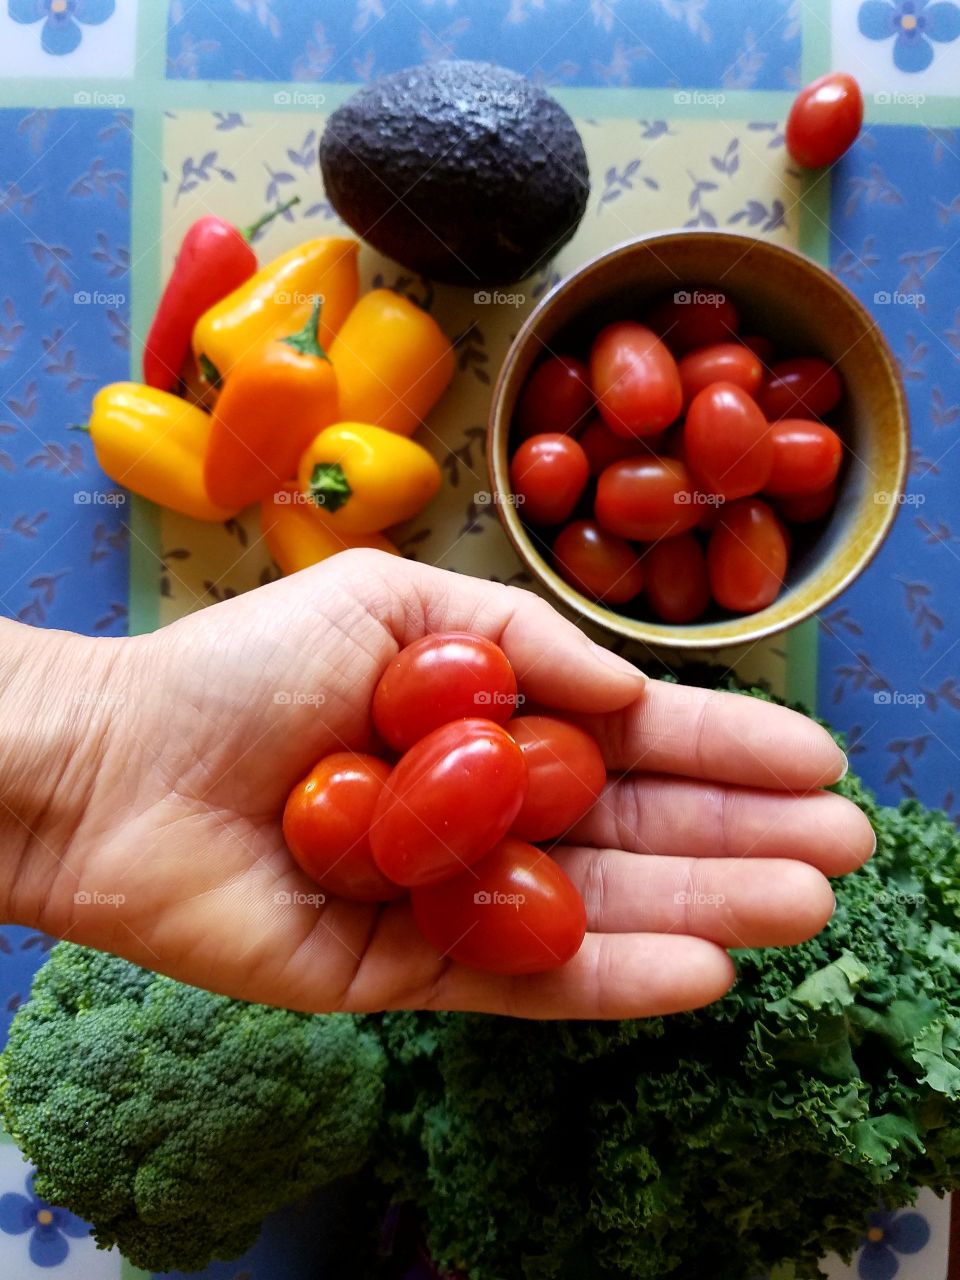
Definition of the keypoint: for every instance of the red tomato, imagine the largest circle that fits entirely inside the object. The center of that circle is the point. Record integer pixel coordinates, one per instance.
(761, 346)
(727, 441)
(515, 911)
(645, 499)
(635, 380)
(747, 557)
(566, 774)
(598, 564)
(450, 799)
(441, 678)
(805, 387)
(824, 120)
(676, 578)
(556, 397)
(806, 457)
(602, 447)
(326, 826)
(723, 362)
(697, 316)
(549, 473)
(807, 507)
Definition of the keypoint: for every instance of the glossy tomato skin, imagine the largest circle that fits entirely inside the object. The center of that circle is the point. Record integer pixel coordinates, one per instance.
(326, 826)
(452, 796)
(644, 499)
(824, 120)
(566, 773)
(808, 507)
(676, 578)
(515, 911)
(804, 387)
(697, 316)
(549, 472)
(635, 380)
(806, 457)
(600, 565)
(602, 447)
(440, 678)
(747, 557)
(556, 397)
(723, 362)
(727, 442)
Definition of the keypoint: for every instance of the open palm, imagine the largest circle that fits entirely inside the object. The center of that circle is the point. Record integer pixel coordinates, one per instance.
(714, 834)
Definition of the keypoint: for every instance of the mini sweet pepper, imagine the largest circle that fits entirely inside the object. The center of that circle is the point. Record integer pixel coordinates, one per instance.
(297, 535)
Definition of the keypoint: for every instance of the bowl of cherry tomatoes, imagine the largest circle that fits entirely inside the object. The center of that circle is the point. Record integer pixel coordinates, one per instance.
(698, 439)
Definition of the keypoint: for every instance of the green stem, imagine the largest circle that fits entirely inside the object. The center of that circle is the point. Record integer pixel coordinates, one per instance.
(79, 426)
(305, 341)
(249, 232)
(209, 371)
(329, 486)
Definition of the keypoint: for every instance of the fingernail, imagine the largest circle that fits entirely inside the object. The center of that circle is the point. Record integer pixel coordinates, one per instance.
(613, 660)
(846, 767)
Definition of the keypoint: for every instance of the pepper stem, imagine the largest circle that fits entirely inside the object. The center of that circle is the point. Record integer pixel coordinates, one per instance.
(249, 232)
(209, 371)
(305, 341)
(79, 426)
(329, 486)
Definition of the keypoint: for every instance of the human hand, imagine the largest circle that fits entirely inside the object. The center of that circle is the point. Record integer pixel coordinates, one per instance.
(165, 845)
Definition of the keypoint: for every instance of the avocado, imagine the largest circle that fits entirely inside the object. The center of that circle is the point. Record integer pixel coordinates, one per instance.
(463, 171)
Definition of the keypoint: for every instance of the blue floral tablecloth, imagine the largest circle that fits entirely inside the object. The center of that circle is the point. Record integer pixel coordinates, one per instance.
(120, 120)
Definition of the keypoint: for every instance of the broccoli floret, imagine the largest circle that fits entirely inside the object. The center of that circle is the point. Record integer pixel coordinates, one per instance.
(174, 1120)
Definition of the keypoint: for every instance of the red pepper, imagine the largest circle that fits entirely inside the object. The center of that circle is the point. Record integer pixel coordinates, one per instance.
(214, 259)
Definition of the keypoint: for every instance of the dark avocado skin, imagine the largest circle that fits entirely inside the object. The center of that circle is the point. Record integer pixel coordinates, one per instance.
(463, 171)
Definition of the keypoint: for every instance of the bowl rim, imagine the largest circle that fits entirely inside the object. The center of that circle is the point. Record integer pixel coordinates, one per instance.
(662, 635)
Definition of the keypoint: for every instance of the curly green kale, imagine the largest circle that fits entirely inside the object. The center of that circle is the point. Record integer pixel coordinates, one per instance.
(175, 1120)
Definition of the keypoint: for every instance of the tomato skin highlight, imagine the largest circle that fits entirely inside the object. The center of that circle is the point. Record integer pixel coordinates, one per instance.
(804, 387)
(602, 447)
(723, 362)
(678, 590)
(471, 919)
(555, 398)
(824, 120)
(598, 564)
(549, 472)
(686, 325)
(747, 557)
(448, 676)
(448, 801)
(566, 773)
(326, 825)
(635, 380)
(806, 458)
(645, 499)
(808, 507)
(727, 442)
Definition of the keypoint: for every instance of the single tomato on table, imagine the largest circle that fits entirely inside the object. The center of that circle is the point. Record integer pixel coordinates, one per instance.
(565, 773)
(549, 473)
(635, 380)
(726, 441)
(645, 499)
(675, 573)
(747, 557)
(556, 397)
(824, 120)
(806, 457)
(600, 565)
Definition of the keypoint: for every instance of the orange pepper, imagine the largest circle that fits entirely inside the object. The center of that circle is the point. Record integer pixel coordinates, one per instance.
(273, 403)
(297, 535)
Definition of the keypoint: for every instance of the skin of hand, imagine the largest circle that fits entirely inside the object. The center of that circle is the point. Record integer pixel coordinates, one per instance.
(142, 783)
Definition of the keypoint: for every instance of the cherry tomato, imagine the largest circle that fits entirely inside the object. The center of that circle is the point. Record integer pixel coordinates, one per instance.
(727, 441)
(645, 499)
(676, 578)
(805, 387)
(761, 346)
(723, 362)
(635, 380)
(598, 564)
(747, 557)
(515, 911)
(694, 317)
(326, 826)
(566, 773)
(556, 397)
(450, 799)
(807, 507)
(806, 457)
(602, 447)
(824, 120)
(549, 472)
(441, 678)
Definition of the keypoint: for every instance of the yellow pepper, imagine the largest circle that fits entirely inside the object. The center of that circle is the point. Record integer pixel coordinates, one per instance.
(277, 301)
(364, 478)
(153, 442)
(297, 536)
(392, 360)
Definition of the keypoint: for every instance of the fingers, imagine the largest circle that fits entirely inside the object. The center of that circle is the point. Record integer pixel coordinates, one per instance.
(762, 903)
(722, 736)
(681, 818)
